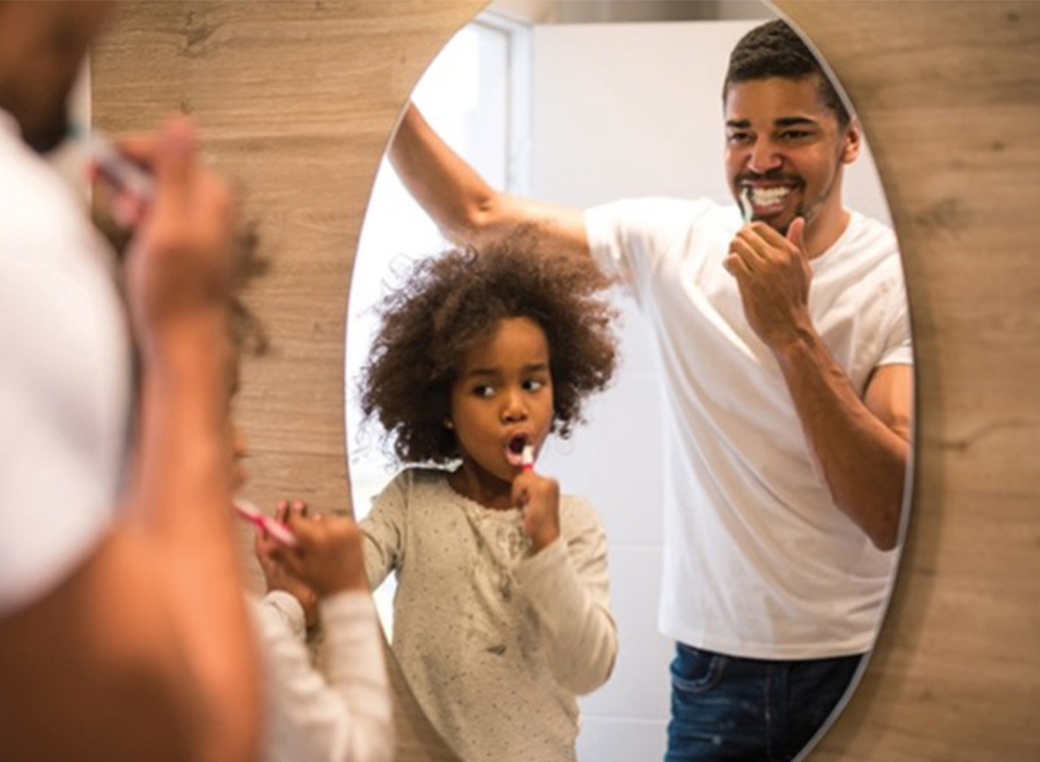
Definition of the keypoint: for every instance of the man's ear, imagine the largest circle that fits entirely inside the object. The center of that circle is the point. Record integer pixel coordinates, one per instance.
(851, 141)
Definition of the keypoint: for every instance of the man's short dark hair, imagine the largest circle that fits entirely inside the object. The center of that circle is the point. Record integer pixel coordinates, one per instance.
(774, 49)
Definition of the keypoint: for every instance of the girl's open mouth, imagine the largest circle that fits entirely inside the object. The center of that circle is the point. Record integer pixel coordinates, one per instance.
(515, 449)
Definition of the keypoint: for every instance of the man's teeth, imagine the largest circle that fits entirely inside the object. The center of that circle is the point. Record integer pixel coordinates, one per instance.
(766, 196)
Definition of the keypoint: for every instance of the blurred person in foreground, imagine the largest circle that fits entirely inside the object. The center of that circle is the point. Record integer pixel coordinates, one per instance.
(123, 633)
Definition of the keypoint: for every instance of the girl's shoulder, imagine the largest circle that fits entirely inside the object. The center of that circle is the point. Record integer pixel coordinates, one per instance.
(414, 483)
(420, 475)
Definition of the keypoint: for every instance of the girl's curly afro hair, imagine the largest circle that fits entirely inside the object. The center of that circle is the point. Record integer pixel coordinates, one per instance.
(454, 302)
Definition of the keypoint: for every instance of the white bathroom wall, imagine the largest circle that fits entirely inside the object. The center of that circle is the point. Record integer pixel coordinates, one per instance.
(624, 110)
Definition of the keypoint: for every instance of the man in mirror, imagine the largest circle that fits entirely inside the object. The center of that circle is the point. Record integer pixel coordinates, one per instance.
(123, 629)
(783, 337)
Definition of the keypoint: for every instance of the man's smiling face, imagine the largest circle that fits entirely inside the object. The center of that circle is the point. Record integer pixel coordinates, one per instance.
(786, 149)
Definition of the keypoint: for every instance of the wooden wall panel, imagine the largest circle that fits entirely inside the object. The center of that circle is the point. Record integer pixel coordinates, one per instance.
(949, 94)
(297, 100)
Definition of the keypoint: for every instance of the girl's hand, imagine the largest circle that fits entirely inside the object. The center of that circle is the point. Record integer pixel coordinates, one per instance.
(539, 499)
(276, 575)
(329, 555)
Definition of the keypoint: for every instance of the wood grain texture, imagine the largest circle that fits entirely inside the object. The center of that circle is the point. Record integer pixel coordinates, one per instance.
(297, 100)
(949, 94)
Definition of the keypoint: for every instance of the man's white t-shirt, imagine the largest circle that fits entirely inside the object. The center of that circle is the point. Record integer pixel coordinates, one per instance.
(64, 378)
(758, 561)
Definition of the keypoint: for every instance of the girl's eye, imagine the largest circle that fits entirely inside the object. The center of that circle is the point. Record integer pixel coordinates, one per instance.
(483, 390)
(534, 384)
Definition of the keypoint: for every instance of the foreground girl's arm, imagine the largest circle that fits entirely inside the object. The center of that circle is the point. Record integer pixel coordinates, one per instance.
(343, 715)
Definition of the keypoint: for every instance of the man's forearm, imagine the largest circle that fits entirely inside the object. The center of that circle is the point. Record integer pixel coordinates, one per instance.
(182, 501)
(863, 460)
(467, 210)
(447, 188)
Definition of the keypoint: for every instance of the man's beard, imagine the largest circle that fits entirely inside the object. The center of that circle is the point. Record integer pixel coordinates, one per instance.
(800, 211)
(50, 134)
(796, 181)
(45, 141)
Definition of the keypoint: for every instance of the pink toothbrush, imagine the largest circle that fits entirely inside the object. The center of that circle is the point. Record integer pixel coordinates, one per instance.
(278, 531)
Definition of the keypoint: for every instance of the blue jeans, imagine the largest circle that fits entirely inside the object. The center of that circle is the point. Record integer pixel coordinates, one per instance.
(729, 709)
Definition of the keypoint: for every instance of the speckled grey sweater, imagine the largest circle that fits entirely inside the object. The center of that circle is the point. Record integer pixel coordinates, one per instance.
(495, 642)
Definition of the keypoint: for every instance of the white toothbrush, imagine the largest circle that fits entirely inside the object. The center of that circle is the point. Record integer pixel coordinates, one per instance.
(745, 205)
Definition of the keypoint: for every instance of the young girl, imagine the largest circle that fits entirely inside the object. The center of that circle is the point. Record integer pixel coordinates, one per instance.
(343, 712)
(501, 614)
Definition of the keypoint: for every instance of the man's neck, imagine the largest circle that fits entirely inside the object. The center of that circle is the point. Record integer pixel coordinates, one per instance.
(825, 231)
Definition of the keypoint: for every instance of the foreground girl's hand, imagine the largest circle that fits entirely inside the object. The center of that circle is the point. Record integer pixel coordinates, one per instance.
(328, 556)
(276, 575)
(539, 499)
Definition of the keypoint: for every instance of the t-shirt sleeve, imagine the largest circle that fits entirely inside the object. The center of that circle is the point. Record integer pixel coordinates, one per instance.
(59, 424)
(898, 346)
(630, 239)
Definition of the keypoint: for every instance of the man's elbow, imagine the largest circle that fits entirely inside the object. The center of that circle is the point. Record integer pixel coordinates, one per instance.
(884, 534)
(885, 542)
(475, 225)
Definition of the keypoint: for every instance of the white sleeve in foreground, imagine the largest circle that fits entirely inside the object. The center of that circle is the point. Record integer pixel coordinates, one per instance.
(341, 716)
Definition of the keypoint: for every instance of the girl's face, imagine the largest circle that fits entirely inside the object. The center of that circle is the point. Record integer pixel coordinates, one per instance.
(502, 399)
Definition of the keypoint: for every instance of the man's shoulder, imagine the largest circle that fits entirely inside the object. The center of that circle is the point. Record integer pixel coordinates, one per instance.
(660, 208)
(39, 214)
(660, 222)
(867, 234)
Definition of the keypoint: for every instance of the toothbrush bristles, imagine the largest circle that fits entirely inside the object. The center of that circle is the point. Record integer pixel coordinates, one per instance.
(745, 205)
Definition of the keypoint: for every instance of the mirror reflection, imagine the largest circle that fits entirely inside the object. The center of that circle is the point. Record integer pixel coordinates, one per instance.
(748, 461)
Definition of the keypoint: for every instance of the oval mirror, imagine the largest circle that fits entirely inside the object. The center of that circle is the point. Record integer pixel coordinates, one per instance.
(547, 101)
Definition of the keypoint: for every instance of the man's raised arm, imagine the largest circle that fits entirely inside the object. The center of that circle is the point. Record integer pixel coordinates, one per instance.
(141, 649)
(466, 209)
